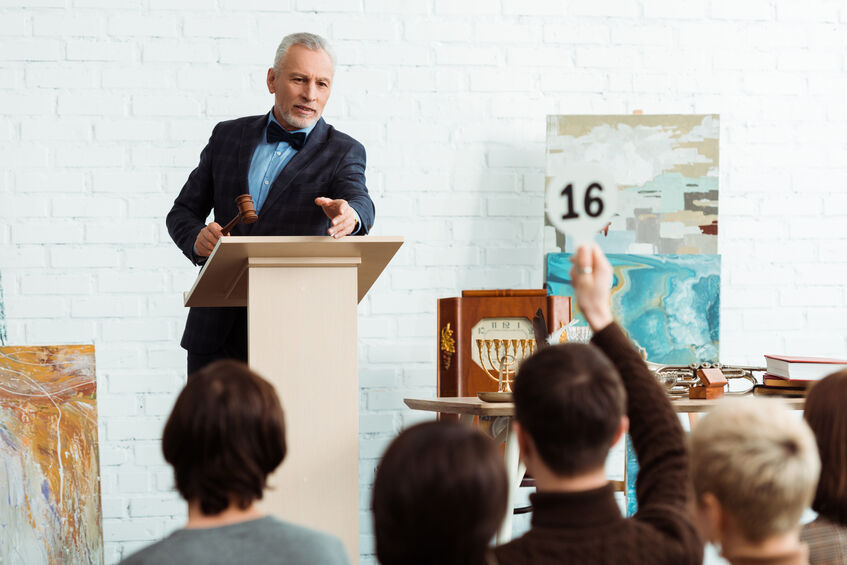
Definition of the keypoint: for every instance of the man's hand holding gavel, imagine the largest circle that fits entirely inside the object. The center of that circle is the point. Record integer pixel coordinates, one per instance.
(207, 239)
(209, 236)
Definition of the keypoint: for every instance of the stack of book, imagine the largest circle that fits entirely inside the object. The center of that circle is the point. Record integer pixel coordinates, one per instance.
(792, 376)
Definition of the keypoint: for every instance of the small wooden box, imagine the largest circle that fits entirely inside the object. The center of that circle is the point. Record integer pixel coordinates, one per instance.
(700, 392)
(711, 377)
(712, 382)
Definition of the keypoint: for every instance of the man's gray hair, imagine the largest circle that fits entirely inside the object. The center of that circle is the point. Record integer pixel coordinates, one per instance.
(311, 41)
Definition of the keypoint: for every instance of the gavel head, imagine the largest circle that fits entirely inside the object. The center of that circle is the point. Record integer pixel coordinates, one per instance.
(246, 208)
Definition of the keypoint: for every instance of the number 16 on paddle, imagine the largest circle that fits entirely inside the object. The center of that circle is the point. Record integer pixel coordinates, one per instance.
(581, 201)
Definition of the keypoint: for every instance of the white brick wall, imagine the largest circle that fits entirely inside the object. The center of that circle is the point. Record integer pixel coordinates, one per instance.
(105, 106)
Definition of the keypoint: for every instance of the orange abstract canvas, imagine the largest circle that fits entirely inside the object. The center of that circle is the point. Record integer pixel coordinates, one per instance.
(49, 459)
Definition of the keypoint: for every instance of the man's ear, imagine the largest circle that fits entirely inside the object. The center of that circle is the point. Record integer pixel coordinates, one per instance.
(711, 518)
(525, 443)
(623, 428)
(271, 78)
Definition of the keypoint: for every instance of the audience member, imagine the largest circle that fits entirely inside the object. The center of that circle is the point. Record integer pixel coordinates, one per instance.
(225, 435)
(754, 470)
(571, 406)
(439, 496)
(826, 415)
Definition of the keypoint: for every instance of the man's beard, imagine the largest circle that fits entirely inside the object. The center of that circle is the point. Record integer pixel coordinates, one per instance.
(298, 122)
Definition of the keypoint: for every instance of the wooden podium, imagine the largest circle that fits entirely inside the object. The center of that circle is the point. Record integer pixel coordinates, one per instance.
(301, 294)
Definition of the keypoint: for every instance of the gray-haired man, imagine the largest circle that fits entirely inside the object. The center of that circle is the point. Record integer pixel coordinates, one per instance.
(305, 177)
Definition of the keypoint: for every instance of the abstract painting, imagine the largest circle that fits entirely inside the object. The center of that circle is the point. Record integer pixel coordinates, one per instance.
(668, 304)
(49, 460)
(2, 316)
(632, 468)
(666, 169)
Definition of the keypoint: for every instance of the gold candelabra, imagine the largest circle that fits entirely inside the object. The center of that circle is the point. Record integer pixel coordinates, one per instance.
(502, 356)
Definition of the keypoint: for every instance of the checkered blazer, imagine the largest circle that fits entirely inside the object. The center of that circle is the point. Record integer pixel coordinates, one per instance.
(827, 542)
(330, 164)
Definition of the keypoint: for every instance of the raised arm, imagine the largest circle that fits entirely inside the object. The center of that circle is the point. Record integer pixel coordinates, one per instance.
(658, 438)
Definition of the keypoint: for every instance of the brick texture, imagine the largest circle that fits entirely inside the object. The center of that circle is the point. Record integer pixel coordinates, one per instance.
(104, 108)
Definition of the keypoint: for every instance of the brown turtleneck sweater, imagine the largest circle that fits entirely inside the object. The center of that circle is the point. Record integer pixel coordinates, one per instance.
(587, 528)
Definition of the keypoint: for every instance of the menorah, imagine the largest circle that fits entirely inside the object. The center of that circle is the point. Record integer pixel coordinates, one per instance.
(502, 356)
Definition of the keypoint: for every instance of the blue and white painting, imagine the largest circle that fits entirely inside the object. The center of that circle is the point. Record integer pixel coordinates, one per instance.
(668, 304)
(632, 468)
(666, 168)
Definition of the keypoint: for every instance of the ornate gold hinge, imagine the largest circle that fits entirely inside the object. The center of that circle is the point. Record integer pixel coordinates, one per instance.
(448, 346)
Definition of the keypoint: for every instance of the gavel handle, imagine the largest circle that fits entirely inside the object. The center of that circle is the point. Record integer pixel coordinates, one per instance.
(228, 228)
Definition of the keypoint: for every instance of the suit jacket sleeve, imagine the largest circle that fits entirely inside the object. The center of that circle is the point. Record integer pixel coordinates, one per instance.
(193, 205)
(348, 182)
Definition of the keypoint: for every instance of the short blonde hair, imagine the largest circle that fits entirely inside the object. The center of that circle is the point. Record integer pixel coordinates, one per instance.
(759, 460)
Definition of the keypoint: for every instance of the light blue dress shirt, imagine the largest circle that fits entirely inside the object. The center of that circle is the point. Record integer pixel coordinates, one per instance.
(268, 161)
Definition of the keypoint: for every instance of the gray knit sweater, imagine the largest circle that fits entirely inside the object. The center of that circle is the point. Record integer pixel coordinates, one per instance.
(264, 540)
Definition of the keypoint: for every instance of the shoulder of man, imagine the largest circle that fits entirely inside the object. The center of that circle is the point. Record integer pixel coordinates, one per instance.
(308, 545)
(236, 123)
(153, 553)
(514, 552)
(341, 139)
(825, 538)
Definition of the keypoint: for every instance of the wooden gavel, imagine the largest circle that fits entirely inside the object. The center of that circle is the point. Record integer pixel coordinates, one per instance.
(246, 213)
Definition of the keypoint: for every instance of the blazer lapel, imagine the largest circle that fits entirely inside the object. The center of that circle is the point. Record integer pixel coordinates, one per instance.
(250, 136)
(313, 145)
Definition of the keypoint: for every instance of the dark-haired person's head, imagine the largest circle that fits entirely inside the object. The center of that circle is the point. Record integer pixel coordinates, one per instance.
(826, 414)
(439, 496)
(225, 435)
(570, 408)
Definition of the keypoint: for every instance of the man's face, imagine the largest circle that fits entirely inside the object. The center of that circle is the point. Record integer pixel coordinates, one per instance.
(300, 86)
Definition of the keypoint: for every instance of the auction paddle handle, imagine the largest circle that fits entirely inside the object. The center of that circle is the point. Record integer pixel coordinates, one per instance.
(246, 213)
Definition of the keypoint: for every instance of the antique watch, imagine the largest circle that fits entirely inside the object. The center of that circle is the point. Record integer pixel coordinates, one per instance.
(484, 335)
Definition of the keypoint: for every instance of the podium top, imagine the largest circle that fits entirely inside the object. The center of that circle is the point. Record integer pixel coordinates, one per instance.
(223, 279)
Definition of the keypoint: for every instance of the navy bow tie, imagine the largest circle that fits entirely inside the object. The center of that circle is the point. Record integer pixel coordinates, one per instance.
(277, 134)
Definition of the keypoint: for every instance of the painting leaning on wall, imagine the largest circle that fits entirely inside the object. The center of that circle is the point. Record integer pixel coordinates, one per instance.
(49, 456)
(2, 314)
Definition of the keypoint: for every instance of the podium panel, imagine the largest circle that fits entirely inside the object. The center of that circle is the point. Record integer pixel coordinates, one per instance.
(296, 315)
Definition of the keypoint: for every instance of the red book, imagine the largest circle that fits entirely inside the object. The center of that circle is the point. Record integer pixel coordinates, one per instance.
(803, 368)
(782, 382)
